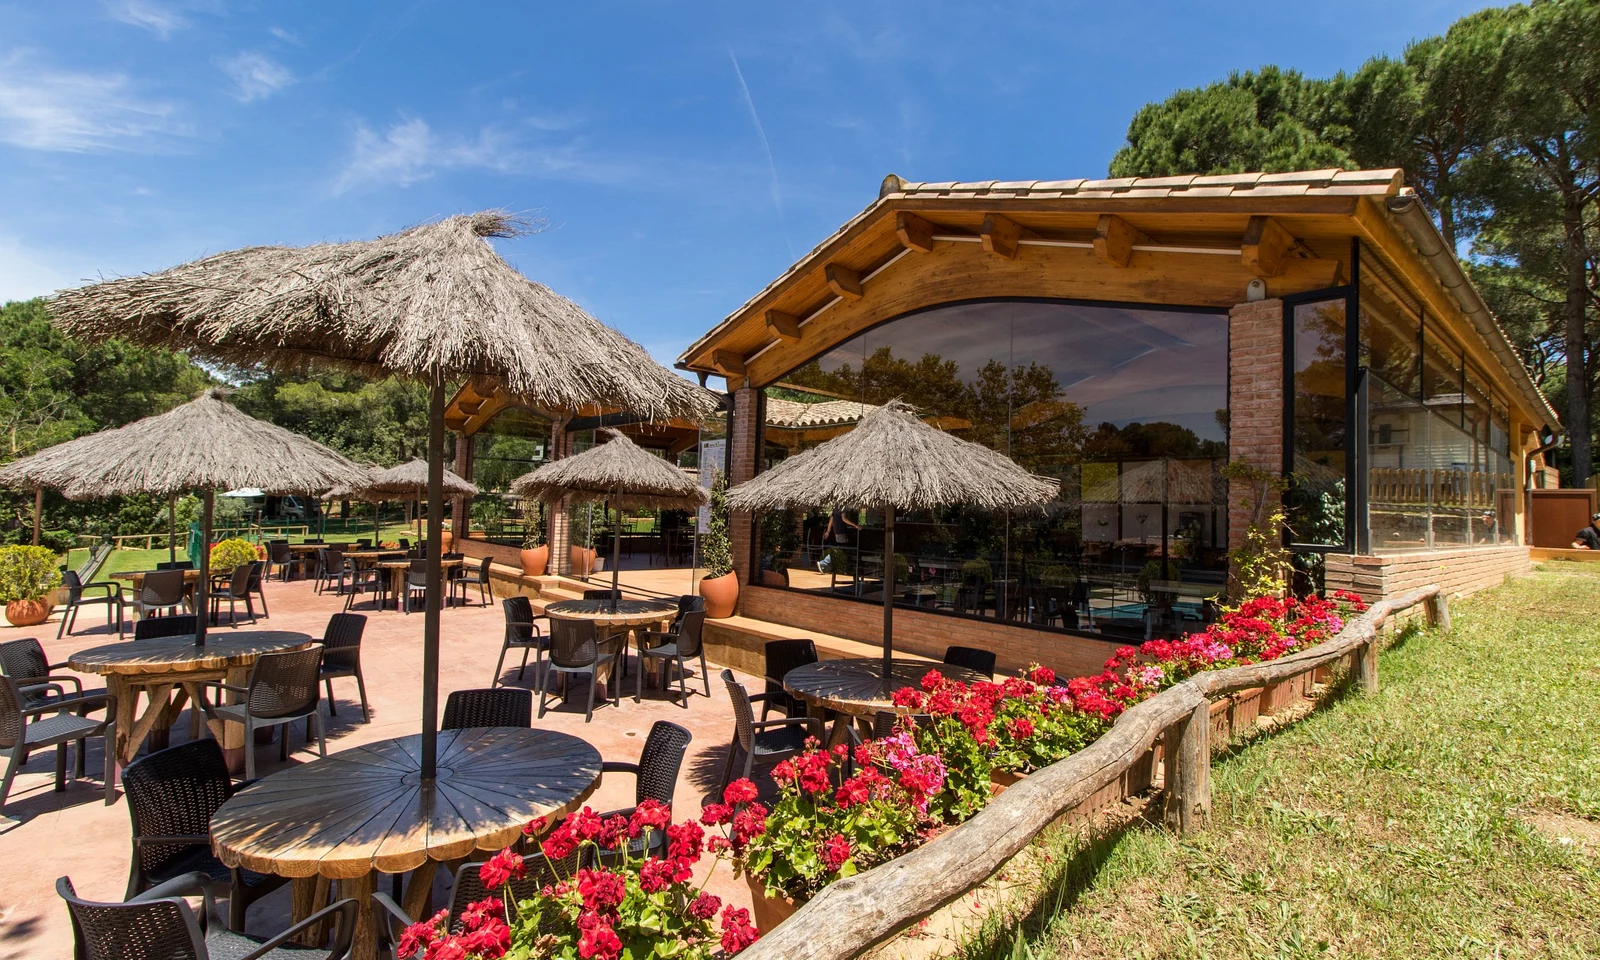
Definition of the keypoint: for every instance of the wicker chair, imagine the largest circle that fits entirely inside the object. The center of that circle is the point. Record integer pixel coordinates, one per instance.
(476, 578)
(522, 633)
(783, 656)
(282, 560)
(416, 583)
(540, 873)
(655, 778)
(161, 590)
(972, 658)
(330, 569)
(768, 741)
(341, 657)
(488, 707)
(172, 795)
(677, 648)
(238, 588)
(283, 687)
(160, 925)
(175, 565)
(256, 587)
(55, 723)
(37, 682)
(79, 595)
(575, 650)
(359, 579)
(156, 628)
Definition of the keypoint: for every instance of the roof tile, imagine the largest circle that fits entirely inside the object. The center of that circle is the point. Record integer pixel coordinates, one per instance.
(1112, 184)
(1274, 190)
(1225, 180)
(1298, 176)
(1182, 181)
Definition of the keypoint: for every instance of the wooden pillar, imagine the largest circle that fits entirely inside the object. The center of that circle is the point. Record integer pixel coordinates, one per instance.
(1438, 610)
(460, 520)
(1364, 667)
(1188, 773)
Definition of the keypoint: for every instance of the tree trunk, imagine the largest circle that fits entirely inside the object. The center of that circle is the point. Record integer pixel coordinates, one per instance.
(1576, 340)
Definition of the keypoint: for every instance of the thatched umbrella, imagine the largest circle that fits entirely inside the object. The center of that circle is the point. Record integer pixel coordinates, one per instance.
(894, 461)
(620, 473)
(205, 444)
(434, 303)
(409, 481)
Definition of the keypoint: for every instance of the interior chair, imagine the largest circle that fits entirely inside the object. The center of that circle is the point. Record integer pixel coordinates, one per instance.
(36, 677)
(55, 723)
(162, 590)
(172, 795)
(675, 648)
(159, 924)
(237, 588)
(655, 778)
(768, 741)
(392, 920)
(474, 578)
(79, 595)
(522, 633)
(488, 707)
(783, 656)
(283, 687)
(972, 658)
(341, 657)
(157, 628)
(575, 651)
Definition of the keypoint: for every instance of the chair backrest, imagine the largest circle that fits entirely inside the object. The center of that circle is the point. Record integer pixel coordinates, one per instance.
(164, 929)
(599, 594)
(156, 628)
(540, 873)
(173, 793)
(163, 588)
(519, 617)
(332, 560)
(258, 569)
(11, 705)
(573, 643)
(23, 659)
(364, 544)
(313, 540)
(175, 565)
(405, 543)
(280, 552)
(344, 630)
(744, 721)
(972, 658)
(286, 684)
(483, 569)
(73, 584)
(884, 722)
(786, 655)
(488, 707)
(687, 604)
(689, 633)
(239, 583)
(660, 761)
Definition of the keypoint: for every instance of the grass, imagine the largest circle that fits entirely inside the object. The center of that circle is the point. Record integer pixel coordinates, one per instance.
(124, 560)
(1425, 821)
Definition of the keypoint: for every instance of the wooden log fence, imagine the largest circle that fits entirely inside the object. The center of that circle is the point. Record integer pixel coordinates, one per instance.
(857, 913)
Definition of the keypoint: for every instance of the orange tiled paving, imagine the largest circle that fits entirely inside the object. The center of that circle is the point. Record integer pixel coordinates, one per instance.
(51, 834)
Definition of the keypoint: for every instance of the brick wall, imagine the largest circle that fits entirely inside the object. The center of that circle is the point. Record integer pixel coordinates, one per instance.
(742, 442)
(927, 634)
(1457, 572)
(557, 532)
(1255, 397)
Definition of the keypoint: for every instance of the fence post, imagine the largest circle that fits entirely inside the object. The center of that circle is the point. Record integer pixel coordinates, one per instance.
(1364, 666)
(1438, 610)
(1188, 773)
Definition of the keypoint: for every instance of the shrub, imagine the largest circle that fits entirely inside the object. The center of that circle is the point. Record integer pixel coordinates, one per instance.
(230, 553)
(716, 553)
(532, 529)
(28, 573)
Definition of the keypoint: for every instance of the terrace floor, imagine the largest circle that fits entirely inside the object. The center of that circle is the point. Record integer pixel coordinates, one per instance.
(45, 835)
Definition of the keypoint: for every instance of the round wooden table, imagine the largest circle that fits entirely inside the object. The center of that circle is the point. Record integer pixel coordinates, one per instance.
(855, 686)
(611, 624)
(366, 811)
(157, 667)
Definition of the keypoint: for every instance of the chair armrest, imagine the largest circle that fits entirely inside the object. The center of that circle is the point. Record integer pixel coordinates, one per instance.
(388, 916)
(197, 838)
(759, 697)
(195, 884)
(112, 589)
(812, 722)
(346, 909)
(618, 766)
(328, 650)
(91, 702)
(226, 686)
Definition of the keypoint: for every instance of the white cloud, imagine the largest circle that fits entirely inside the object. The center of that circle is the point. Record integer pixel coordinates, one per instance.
(43, 109)
(157, 18)
(26, 272)
(256, 76)
(409, 151)
(284, 35)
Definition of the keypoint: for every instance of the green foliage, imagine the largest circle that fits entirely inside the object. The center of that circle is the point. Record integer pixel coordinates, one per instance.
(1155, 571)
(28, 573)
(779, 540)
(375, 421)
(532, 528)
(1058, 575)
(231, 553)
(716, 552)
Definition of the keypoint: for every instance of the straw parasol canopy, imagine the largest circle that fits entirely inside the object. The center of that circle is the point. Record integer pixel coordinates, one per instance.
(892, 460)
(620, 473)
(410, 481)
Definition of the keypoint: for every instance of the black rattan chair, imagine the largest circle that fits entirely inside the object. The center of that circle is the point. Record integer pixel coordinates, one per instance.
(156, 628)
(175, 565)
(160, 925)
(575, 651)
(161, 590)
(341, 657)
(539, 873)
(655, 778)
(416, 583)
(55, 723)
(363, 579)
(282, 560)
(783, 656)
(256, 588)
(238, 588)
(678, 649)
(35, 676)
(172, 795)
(80, 594)
(972, 658)
(522, 633)
(488, 707)
(330, 569)
(283, 687)
(478, 578)
(768, 741)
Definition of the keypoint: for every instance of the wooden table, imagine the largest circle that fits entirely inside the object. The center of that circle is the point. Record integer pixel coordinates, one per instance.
(855, 686)
(365, 811)
(397, 576)
(159, 666)
(609, 624)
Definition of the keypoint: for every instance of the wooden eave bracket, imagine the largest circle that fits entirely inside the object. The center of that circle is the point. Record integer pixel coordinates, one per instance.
(915, 233)
(999, 235)
(783, 326)
(843, 281)
(1267, 246)
(1114, 239)
(731, 364)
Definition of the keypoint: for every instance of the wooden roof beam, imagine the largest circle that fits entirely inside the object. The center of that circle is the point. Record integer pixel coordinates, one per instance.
(1267, 245)
(915, 233)
(1000, 235)
(1114, 239)
(783, 326)
(844, 281)
(730, 363)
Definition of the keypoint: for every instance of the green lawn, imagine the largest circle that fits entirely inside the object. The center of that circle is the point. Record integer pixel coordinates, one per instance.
(1425, 821)
(121, 560)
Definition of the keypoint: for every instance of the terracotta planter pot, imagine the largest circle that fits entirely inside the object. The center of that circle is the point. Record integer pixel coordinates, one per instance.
(535, 560)
(766, 912)
(28, 613)
(581, 560)
(446, 541)
(721, 595)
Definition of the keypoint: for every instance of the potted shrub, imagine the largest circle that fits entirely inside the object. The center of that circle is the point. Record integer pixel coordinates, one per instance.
(720, 585)
(231, 553)
(29, 577)
(535, 552)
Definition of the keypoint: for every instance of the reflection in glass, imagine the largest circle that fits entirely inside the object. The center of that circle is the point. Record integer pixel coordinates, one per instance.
(1317, 488)
(1126, 406)
(515, 442)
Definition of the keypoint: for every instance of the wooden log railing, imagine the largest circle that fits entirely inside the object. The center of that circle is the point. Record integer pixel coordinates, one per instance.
(854, 914)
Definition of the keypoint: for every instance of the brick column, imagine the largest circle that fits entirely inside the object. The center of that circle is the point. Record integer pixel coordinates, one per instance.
(557, 534)
(742, 443)
(461, 523)
(1255, 398)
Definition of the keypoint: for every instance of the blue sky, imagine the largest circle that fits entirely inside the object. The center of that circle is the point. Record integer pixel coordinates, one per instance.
(682, 154)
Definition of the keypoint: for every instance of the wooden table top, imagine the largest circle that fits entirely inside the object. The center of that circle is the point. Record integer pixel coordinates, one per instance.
(855, 685)
(137, 576)
(629, 613)
(373, 554)
(366, 809)
(406, 564)
(307, 547)
(223, 649)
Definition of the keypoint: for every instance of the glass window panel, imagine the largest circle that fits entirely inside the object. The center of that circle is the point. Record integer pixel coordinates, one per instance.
(1389, 345)
(1317, 493)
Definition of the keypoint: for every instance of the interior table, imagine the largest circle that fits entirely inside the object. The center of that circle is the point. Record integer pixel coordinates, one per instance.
(397, 576)
(611, 624)
(367, 811)
(854, 686)
(158, 667)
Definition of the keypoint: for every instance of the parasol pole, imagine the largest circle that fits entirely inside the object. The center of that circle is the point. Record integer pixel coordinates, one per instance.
(888, 598)
(201, 601)
(430, 622)
(172, 527)
(616, 550)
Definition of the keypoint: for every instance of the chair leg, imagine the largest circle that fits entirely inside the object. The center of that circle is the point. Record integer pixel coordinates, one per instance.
(749, 763)
(13, 761)
(264, 611)
(65, 616)
(322, 735)
(544, 692)
(594, 681)
(638, 683)
(79, 755)
(283, 741)
(250, 748)
(332, 710)
(683, 686)
(361, 688)
(523, 669)
(500, 664)
(705, 673)
(108, 743)
(61, 767)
